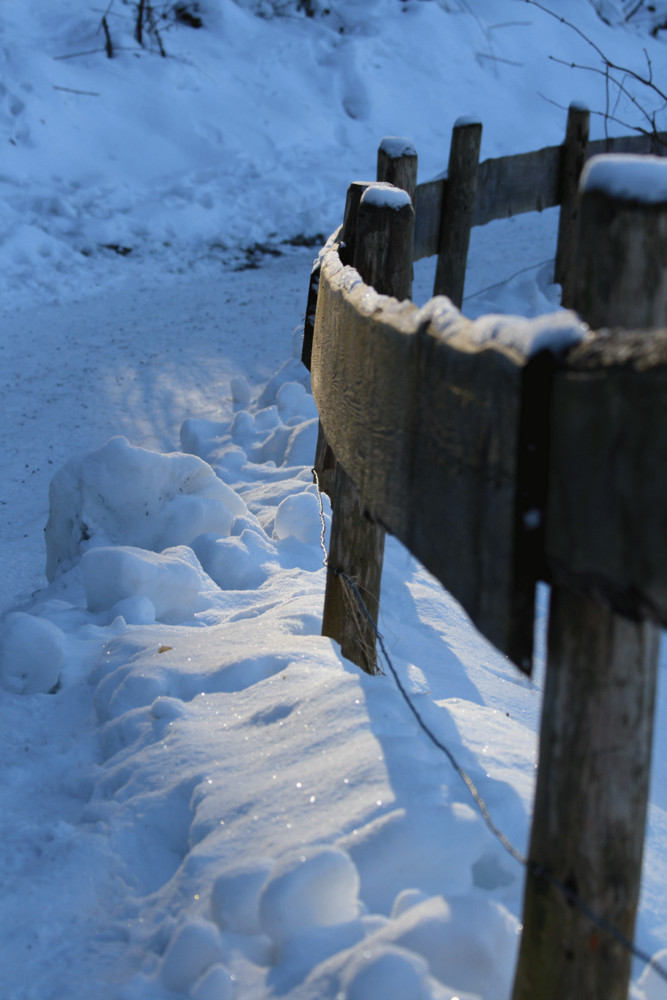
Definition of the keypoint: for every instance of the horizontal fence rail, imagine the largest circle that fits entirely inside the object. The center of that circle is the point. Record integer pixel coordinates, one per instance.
(385, 376)
(439, 419)
(514, 185)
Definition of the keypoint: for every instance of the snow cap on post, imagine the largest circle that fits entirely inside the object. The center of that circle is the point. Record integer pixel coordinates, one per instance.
(397, 163)
(384, 240)
(628, 177)
(464, 121)
(396, 147)
(385, 196)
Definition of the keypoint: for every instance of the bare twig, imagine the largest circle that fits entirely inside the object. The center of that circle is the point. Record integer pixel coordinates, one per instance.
(77, 55)
(506, 281)
(108, 44)
(608, 79)
(638, 6)
(611, 66)
(70, 90)
(495, 58)
(651, 133)
(153, 28)
(139, 24)
(104, 15)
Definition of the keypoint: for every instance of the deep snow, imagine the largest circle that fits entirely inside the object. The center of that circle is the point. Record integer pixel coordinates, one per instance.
(213, 803)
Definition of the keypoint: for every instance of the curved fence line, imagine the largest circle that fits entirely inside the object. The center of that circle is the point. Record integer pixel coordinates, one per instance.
(504, 451)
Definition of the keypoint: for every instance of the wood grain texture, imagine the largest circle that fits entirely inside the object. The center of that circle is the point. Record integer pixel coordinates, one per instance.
(401, 171)
(606, 531)
(606, 525)
(588, 827)
(513, 185)
(620, 274)
(381, 234)
(356, 549)
(608, 429)
(573, 157)
(458, 205)
(639, 143)
(348, 234)
(311, 302)
(428, 210)
(424, 411)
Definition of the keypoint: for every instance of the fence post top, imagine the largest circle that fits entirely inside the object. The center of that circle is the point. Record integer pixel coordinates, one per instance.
(627, 177)
(396, 147)
(468, 121)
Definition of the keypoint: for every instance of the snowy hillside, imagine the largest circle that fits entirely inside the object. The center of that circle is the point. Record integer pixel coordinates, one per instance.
(201, 798)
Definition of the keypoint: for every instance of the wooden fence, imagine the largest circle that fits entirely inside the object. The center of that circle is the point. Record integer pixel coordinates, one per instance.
(499, 463)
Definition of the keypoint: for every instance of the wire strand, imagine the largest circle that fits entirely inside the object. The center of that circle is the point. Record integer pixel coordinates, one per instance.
(534, 868)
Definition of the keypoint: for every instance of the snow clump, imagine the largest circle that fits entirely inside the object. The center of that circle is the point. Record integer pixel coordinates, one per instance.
(170, 580)
(315, 888)
(123, 495)
(31, 654)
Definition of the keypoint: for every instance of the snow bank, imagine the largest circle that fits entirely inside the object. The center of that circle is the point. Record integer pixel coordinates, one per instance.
(247, 775)
(285, 826)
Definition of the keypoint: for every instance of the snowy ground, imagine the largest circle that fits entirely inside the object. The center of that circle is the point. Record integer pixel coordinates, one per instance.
(213, 803)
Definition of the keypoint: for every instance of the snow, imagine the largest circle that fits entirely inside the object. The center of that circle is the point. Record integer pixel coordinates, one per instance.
(555, 332)
(465, 120)
(201, 797)
(627, 177)
(396, 147)
(385, 196)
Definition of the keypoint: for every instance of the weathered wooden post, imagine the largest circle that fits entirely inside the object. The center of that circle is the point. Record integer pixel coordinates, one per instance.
(383, 256)
(595, 743)
(620, 263)
(397, 164)
(345, 237)
(573, 159)
(457, 210)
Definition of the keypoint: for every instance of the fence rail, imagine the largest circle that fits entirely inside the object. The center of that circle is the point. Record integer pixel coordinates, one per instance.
(504, 451)
(514, 185)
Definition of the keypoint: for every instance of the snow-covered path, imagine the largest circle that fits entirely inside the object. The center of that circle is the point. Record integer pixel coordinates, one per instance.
(200, 798)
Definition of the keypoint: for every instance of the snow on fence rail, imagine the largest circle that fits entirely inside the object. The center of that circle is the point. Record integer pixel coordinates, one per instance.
(505, 451)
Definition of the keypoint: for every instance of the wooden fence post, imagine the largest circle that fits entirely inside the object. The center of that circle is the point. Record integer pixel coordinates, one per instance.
(397, 164)
(620, 271)
(348, 234)
(383, 257)
(573, 159)
(597, 720)
(457, 210)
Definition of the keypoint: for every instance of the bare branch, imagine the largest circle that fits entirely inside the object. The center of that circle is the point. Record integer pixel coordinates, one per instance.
(76, 55)
(71, 90)
(651, 133)
(108, 43)
(608, 79)
(646, 81)
(638, 6)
